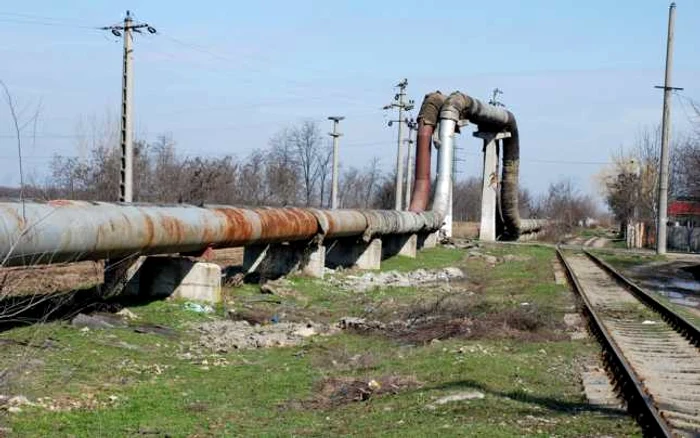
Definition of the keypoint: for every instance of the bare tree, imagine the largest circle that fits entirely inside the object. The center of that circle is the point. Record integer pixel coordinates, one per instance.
(283, 169)
(325, 165)
(307, 138)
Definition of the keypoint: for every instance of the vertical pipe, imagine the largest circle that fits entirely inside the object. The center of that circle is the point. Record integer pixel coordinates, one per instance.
(126, 187)
(665, 137)
(409, 168)
(441, 202)
(421, 189)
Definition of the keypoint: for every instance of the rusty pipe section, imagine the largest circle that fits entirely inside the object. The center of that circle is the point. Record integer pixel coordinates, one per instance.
(66, 231)
(341, 223)
(427, 120)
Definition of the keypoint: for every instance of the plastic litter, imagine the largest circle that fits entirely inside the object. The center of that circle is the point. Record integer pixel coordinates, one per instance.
(199, 308)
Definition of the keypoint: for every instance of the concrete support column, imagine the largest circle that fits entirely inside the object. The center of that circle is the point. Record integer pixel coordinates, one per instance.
(399, 244)
(276, 260)
(426, 240)
(489, 192)
(354, 253)
(169, 277)
(121, 276)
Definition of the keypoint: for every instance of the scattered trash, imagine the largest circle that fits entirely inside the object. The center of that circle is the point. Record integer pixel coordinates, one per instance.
(128, 314)
(371, 280)
(199, 308)
(374, 385)
(225, 336)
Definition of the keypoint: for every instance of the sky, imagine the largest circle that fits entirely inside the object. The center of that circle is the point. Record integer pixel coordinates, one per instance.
(223, 77)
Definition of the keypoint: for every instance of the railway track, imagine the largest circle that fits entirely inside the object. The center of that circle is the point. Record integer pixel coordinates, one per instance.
(652, 351)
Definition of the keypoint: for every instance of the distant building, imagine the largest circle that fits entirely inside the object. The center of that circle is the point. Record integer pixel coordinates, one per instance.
(684, 225)
(684, 212)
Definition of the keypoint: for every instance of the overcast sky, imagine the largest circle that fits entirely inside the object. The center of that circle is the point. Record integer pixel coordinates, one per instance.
(222, 77)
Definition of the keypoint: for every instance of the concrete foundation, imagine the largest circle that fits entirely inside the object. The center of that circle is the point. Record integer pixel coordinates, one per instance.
(426, 240)
(121, 277)
(276, 260)
(354, 253)
(173, 277)
(399, 244)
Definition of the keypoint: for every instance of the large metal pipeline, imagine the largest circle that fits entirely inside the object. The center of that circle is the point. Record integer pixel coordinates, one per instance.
(427, 120)
(64, 231)
(459, 106)
(67, 231)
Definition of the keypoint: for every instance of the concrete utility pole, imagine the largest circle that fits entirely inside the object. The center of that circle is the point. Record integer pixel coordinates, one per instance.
(126, 176)
(409, 163)
(494, 98)
(665, 137)
(407, 106)
(335, 134)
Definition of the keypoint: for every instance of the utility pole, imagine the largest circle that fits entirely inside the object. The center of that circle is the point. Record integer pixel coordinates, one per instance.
(665, 137)
(407, 106)
(494, 97)
(126, 176)
(411, 124)
(335, 134)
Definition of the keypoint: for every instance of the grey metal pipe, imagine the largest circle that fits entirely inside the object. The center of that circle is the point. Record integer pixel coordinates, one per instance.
(441, 200)
(66, 231)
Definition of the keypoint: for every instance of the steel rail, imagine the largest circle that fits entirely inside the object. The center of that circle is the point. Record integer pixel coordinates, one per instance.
(678, 322)
(631, 384)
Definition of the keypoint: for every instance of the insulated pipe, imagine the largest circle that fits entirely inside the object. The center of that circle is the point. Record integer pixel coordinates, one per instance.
(493, 118)
(427, 119)
(448, 122)
(67, 231)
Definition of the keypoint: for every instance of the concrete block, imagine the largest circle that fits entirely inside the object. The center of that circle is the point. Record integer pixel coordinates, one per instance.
(276, 260)
(180, 277)
(355, 253)
(121, 277)
(399, 244)
(426, 240)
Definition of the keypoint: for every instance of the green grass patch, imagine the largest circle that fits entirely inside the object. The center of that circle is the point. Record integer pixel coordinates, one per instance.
(124, 383)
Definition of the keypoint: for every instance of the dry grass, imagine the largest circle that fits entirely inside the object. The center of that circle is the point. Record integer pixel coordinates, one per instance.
(332, 392)
(50, 278)
(458, 315)
(465, 230)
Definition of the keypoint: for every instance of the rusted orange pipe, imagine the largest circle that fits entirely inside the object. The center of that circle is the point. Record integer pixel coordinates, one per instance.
(427, 119)
(421, 190)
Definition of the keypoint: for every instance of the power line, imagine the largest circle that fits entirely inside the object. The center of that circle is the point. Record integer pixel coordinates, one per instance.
(8, 17)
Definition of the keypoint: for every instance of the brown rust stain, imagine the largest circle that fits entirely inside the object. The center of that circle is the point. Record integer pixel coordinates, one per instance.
(238, 229)
(15, 214)
(61, 203)
(149, 230)
(285, 224)
(173, 227)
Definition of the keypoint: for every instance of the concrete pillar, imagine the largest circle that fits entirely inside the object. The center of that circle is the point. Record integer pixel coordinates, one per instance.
(399, 244)
(276, 260)
(121, 276)
(426, 240)
(489, 193)
(354, 253)
(174, 277)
